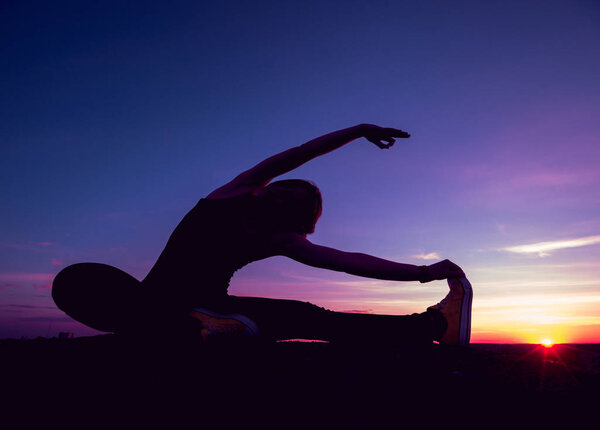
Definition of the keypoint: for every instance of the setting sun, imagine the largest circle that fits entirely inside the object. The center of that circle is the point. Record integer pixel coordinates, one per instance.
(547, 343)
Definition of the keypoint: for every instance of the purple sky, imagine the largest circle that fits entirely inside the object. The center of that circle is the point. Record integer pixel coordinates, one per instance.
(116, 118)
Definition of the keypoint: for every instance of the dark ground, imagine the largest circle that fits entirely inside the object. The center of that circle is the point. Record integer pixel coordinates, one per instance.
(105, 381)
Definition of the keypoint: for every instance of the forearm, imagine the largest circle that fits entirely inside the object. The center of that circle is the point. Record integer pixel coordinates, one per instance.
(354, 263)
(378, 268)
(331, 141)
(292, 158)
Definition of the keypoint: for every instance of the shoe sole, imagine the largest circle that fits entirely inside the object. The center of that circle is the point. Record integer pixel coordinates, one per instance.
(250, 327)
(464, 330)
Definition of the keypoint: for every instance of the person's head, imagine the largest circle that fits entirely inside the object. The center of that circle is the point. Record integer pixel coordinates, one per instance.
(291, 205)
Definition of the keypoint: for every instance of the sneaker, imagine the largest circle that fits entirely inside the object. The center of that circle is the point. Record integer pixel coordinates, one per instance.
(456, 308)
(216, 325)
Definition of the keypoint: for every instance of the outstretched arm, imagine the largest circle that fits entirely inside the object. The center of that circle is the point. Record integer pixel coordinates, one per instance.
(286, 161)
(302, 250)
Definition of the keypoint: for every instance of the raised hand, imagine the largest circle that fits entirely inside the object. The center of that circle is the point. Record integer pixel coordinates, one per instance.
(378, 135)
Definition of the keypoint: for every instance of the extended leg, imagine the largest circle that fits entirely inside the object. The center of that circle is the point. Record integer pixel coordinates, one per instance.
(291, 319)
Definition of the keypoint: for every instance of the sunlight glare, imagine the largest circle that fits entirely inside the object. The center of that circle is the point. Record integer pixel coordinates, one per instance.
(547, 343)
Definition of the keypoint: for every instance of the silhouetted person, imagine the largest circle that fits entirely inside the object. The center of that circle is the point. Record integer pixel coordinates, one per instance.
(249, 219)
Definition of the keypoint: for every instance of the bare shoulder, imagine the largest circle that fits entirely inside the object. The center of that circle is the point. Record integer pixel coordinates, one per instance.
(231, 190)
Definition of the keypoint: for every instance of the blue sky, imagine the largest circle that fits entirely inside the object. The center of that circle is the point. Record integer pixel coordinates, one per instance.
(116, 118)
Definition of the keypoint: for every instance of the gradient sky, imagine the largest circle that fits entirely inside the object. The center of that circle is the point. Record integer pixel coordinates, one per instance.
(116, 117)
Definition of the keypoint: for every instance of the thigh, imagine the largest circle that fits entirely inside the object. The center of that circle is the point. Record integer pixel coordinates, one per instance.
(291, 319)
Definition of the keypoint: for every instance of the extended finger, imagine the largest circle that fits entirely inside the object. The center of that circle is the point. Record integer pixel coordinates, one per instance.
(398, 133)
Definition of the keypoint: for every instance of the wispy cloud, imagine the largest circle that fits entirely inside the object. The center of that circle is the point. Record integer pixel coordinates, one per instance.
(516, 178)
(430, 256)
(22, 306)
(503, 184)
(27, 277)
(357, 311)
(542, 248)
(60, 318)
(39, 281)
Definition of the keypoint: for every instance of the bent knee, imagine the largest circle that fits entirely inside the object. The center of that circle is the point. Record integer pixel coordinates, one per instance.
(95, 294)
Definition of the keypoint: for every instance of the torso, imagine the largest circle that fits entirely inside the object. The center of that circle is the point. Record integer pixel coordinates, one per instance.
(212, 241)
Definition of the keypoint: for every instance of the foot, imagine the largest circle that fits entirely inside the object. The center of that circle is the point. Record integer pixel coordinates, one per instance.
(220, 326)
(456, 308)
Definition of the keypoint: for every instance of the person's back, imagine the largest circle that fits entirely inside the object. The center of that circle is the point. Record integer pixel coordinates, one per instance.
(215, 239)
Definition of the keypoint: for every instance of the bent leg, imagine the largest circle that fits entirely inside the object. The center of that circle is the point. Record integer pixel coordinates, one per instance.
(291, 319)
(97, 295)
(108, 299)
